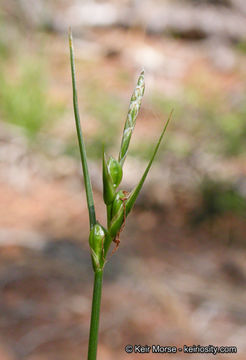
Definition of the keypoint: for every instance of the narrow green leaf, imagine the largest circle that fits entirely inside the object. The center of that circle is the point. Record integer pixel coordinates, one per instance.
(134, 107)
(133, 195)
(87, 181)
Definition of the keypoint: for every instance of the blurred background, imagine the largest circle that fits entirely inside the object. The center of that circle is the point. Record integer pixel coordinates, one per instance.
(179, 275)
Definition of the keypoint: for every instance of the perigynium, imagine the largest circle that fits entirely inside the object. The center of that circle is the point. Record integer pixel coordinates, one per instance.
(118, 202)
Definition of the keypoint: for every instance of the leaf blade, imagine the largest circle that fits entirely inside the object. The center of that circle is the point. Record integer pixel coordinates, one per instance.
(87, 181)
(133, 195)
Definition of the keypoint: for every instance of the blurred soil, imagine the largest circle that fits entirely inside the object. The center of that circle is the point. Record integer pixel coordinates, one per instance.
(164, 285)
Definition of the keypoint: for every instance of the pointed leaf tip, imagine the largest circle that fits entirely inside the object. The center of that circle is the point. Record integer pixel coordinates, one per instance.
(87, 181)
(134, 194)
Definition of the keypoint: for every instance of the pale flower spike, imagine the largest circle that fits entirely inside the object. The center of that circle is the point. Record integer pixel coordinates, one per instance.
(134, 107)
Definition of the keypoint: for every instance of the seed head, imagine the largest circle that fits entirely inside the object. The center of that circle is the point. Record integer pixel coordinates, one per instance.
(134, 107)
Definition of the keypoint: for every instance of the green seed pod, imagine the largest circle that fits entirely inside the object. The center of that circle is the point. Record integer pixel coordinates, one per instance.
(96, 242)
(116, 223)
(108, 186)
(118, 212)
(118, 202)
(115, 171)
(112, 175)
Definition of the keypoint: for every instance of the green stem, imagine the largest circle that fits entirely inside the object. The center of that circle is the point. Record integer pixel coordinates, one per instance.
(88, 188)
(95, 315)
(109, 209)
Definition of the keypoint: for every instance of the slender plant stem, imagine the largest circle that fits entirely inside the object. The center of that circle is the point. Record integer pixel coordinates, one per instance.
(109, 208)
(95, 315)
(88, 188)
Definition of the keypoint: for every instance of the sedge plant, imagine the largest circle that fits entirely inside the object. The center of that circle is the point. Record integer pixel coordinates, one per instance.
(118, 203)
